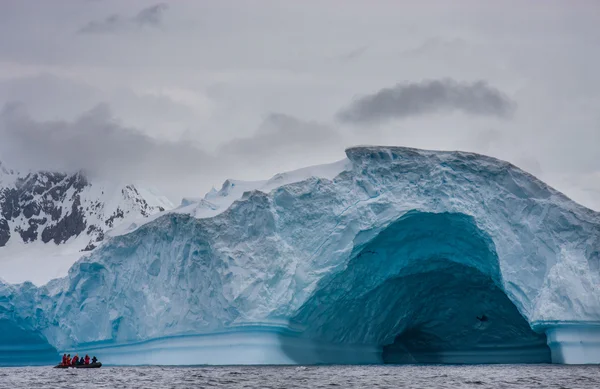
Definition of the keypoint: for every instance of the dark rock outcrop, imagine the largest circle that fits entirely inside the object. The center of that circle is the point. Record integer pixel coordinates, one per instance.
(4, 232)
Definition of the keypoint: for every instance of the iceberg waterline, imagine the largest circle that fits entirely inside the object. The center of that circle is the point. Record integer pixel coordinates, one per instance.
(405, 256)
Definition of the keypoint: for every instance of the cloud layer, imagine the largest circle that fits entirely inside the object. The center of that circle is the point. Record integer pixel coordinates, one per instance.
(96, 143)
(198, 82)
(431, 96)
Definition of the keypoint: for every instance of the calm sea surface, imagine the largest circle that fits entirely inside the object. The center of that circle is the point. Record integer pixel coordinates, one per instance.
(388, 376)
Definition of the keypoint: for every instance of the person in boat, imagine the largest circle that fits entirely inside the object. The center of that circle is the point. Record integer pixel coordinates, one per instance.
(75, 360)
(94, 360)
(64, 360)
(81, 361)
(68, 359)
(87, 359)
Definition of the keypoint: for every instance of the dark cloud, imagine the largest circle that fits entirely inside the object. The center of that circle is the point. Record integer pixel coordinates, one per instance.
(112, 23)
(151, 16)
(429, 96)
(354, 54)
(96, 143)
(282, 135)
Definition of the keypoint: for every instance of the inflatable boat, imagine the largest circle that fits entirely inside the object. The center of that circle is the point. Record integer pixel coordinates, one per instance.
(90, 366)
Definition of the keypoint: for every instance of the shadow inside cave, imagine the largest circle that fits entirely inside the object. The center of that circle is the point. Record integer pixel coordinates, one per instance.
(426, 289)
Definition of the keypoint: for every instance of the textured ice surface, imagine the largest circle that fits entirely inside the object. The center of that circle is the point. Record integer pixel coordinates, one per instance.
(404, 256)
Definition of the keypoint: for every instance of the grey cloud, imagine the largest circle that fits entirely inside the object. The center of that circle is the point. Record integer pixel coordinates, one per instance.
(112, 23)
(96, 143)
(151, 16)
(429, 96)
(282, 135)
(354, 54)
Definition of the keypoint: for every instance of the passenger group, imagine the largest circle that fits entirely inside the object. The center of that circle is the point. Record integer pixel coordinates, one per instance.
(75, 361)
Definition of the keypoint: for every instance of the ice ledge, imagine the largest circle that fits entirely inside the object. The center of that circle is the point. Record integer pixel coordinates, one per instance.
(373, 153)
(253, 346)
(572, 343)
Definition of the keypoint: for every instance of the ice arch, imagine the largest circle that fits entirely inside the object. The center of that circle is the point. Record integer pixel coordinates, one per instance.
(427, 289)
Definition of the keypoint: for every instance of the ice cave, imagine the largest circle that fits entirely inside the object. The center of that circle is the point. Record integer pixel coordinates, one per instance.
(427, 289)
(393, 255)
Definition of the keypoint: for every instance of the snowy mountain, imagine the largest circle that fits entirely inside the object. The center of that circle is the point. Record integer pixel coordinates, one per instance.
(391, 255)
(39, 210)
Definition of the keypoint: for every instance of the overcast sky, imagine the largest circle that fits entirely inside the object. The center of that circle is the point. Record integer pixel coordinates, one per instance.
(185, 94)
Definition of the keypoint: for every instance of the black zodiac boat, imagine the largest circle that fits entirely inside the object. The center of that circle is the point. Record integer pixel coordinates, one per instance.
(90, 366)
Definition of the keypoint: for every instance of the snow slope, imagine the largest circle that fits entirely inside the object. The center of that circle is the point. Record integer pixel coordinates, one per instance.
(401, 255)
(216, 202)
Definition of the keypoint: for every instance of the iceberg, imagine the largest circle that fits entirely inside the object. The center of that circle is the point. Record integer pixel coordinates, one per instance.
(393, 255)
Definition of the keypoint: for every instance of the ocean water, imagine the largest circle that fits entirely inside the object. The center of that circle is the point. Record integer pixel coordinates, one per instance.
(384, 376)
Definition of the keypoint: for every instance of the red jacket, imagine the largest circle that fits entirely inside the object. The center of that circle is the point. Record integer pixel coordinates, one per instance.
(64, 360)
(74, 361)
(87, 360)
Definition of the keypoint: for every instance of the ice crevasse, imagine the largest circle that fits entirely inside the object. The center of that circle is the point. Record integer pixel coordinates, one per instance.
(405, 256)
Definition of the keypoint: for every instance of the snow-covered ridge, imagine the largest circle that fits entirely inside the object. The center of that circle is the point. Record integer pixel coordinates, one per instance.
(216, 202)
(400, 255)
